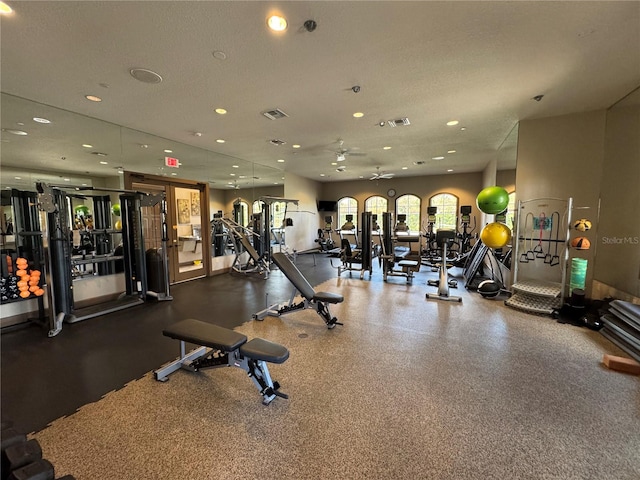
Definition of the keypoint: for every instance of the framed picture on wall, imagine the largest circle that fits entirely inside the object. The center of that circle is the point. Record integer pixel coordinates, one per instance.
(195, 203)
(184, 214)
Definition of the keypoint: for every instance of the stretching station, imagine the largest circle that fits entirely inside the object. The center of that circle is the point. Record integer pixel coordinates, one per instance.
(318, 301)
(222, 347)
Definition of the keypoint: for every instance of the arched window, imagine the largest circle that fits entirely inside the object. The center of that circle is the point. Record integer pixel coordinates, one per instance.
(347, 206)
(277, 214)
(257, 206)
(409, 205)
(376, 205)
(447, 205)
(511, 210)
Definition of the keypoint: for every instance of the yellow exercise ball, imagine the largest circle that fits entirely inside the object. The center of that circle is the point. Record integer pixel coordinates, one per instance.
(495, 235)
(118, 225)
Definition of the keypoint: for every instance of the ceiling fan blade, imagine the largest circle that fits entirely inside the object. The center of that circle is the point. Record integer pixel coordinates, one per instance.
(387, 175)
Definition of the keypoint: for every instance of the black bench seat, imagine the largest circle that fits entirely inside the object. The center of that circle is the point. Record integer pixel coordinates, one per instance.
(222, 347)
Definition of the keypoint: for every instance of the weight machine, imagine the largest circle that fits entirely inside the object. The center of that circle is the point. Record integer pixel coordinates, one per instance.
(393, 253)
(362, 254)
(61, 263)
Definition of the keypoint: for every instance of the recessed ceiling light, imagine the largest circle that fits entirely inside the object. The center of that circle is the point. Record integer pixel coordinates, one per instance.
(451, 151)
(277, 23)
(145, 75)
(15, 132)
(280, 160)
(450, 170)
(405, 168)
(386, 148)
(104, 163)
(334, 163)
(232, 174)
(84, 184)
(168, 151)
(437, 158)
(5, 9)
(296, 146)
(322, 174)
(275, 183)
(220, 140)
(41, 120)
(86, 145)
(93, 98)
(463, 128)
(451, 123)
(242, 176)
(221, 111)
(67, 179)
(235, 166)
(358, 115)
(18, 178)
(174, 173)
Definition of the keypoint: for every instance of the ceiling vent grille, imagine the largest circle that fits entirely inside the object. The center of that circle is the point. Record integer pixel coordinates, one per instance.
(399, 122)
(274, 114)
(277, 142)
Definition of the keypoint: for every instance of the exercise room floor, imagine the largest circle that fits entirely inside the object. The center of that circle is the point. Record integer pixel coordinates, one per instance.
(407, 388)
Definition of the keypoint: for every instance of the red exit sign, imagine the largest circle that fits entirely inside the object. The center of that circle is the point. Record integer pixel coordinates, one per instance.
(171, 162)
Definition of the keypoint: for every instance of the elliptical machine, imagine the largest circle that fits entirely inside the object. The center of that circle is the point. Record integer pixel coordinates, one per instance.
(444, 237)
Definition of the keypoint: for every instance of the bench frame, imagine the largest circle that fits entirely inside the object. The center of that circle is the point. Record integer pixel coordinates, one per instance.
(204, 357)
(309, 300)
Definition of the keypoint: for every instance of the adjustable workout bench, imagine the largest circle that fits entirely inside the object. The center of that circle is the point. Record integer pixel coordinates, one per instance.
(222, 347)
(311, 299)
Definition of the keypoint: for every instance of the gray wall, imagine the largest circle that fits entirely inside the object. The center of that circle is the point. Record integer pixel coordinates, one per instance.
(618, 231)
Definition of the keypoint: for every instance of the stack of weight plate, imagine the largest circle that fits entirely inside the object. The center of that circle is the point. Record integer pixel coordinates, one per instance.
(622, 326)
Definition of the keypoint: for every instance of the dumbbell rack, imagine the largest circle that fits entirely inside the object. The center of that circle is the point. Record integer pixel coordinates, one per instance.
(536, 288)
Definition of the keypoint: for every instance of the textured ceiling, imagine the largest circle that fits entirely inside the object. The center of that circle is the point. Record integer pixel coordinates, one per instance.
(477, 62)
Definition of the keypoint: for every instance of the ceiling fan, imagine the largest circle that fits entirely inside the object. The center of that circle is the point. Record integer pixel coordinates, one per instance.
(342, 153)
(381, 176)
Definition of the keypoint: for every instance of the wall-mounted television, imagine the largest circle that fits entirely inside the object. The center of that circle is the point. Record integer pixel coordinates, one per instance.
(326, 206)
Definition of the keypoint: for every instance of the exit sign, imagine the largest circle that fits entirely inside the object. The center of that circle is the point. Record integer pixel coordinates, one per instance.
(171, 162)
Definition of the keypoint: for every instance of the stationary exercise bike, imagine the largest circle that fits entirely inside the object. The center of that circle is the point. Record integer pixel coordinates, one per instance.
(444, 237)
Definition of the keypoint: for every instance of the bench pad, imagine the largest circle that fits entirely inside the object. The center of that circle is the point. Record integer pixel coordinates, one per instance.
(260, 349)
(205, 334)
(328, 297)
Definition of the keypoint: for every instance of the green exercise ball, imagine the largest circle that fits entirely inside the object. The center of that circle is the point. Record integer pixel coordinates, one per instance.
(493, 200)
(115, 209)
(495, 235)
(81, 210)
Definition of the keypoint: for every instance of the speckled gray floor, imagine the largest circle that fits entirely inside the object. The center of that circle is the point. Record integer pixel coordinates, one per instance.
(408, 388)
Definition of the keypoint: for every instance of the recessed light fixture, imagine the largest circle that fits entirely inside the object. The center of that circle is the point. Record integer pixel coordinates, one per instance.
(221, 111)
(437, 158)
(386, 148)
(275, 183)
(220, 140)
(277, 23)
(280, 160)
(405, 168)
(451, 151)
(168, 151)
(41, 120)
(242, 176)
(463, 128)
(450, 170)
(104, 163)
(451, 123)
(93, 98)
(67, 179)
(145, 75)
(235, 166)
(5, 9)
(322, 174)
(232, 174)
(358, 115)
(86, 145)
(18, 178)
(334, 163)
(174, 173)
(295, 146)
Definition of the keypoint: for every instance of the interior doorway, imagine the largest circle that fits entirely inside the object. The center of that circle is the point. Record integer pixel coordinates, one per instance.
(187, 242)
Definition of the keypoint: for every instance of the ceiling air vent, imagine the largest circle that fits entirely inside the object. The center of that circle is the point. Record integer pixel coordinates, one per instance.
(399, 122)
(274, 114)
(277, 142)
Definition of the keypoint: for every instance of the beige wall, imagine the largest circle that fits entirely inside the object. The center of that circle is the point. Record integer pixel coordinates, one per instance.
(562, 157)
(302, 234)
(617, 234)
(465, 186)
